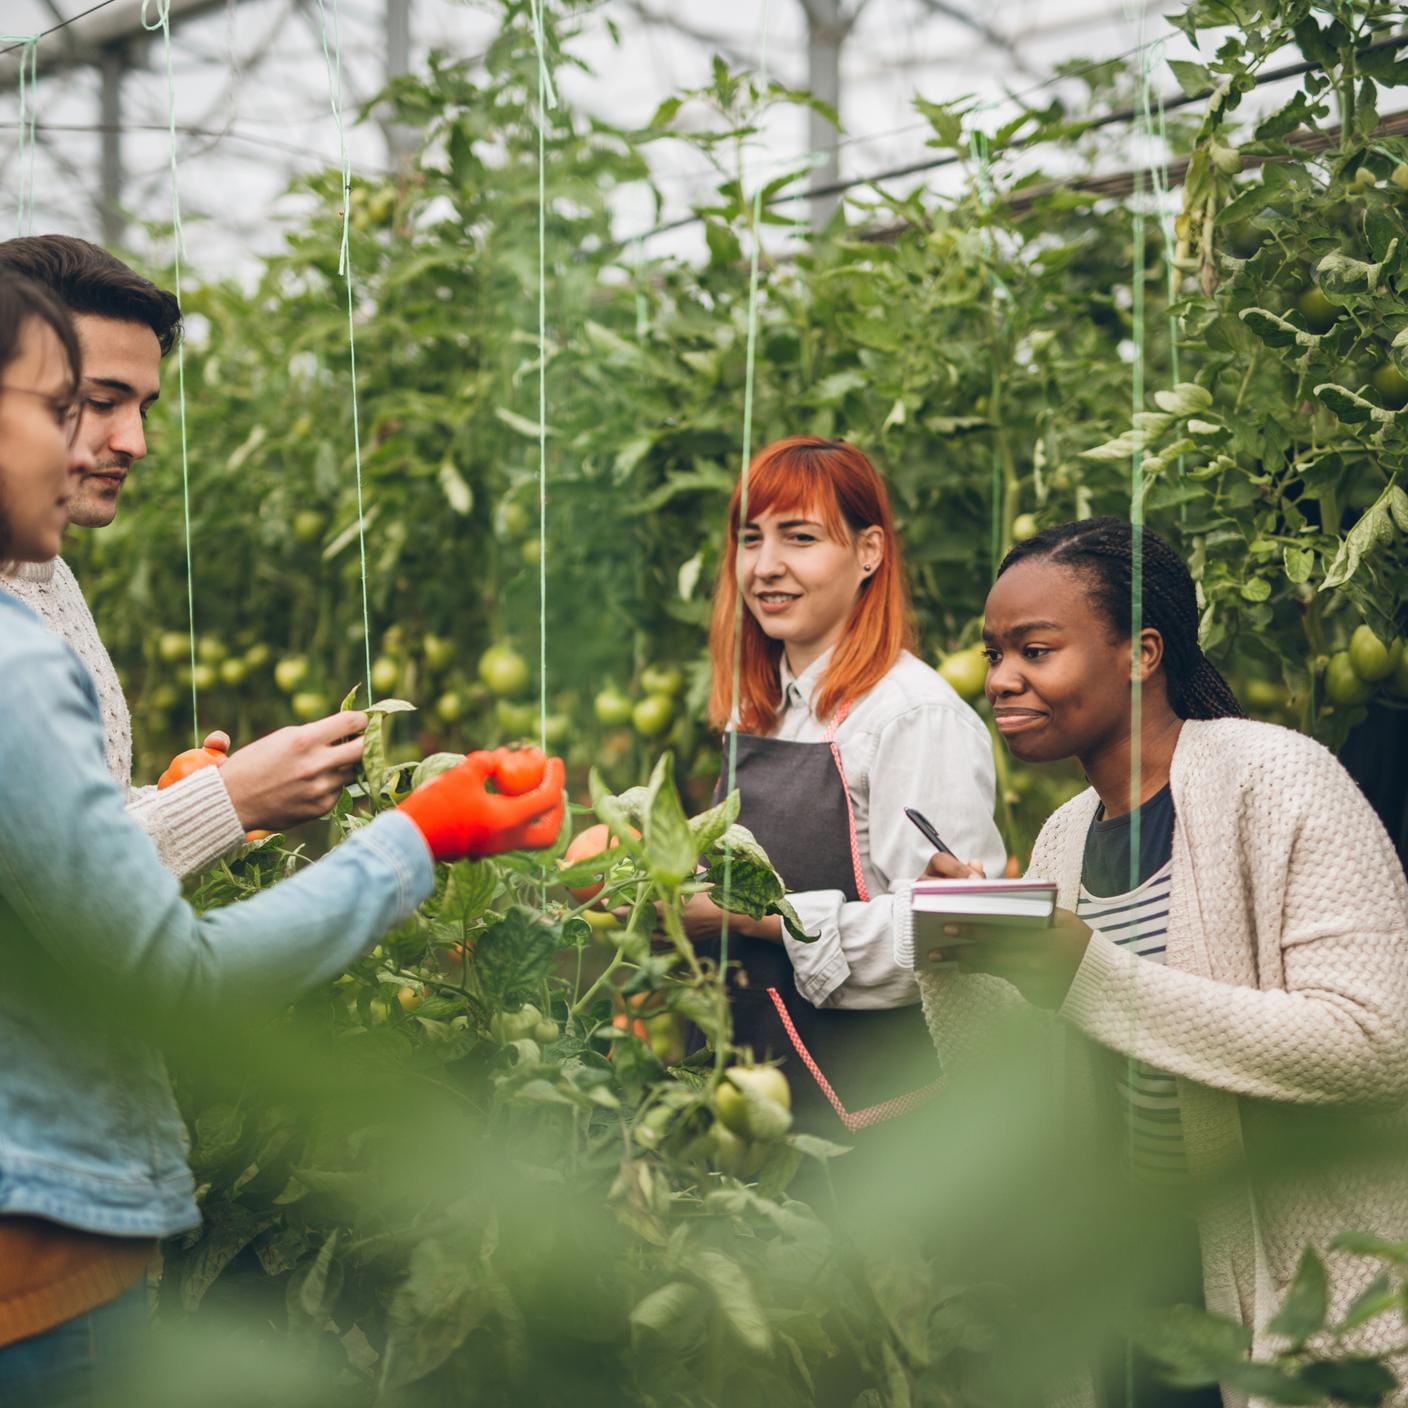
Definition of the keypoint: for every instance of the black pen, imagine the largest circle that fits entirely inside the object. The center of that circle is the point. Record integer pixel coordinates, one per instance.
(927, 828)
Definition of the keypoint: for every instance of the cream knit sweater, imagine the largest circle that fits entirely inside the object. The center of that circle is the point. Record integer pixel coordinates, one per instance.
(191, 824)
(1286, 985)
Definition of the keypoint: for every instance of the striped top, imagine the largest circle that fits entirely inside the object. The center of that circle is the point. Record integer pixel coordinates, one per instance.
(1138, 920)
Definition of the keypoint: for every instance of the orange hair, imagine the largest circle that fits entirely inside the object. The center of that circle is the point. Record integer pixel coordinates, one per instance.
(834, 483)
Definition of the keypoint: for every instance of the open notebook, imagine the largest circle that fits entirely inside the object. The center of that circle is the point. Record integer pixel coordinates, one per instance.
(1012, 904)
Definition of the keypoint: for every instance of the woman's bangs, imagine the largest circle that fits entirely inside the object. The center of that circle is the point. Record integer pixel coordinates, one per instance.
(780, 485)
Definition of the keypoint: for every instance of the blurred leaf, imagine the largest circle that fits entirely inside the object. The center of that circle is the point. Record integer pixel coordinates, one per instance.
(1302, 1313)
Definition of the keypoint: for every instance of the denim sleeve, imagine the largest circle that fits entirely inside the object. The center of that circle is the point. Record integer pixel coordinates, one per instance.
(87, 886)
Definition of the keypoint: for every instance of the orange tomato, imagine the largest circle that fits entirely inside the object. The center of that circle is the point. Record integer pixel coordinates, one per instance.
(193, 760)
(594, 841)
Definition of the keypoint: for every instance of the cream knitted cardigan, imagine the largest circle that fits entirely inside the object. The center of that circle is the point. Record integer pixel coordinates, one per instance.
(1286, 981)
(191, 824)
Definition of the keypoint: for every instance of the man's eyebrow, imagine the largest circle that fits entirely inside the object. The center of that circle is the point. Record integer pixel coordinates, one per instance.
(120, 387)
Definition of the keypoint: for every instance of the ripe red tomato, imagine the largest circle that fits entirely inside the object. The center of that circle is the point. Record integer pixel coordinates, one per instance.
(519, 770)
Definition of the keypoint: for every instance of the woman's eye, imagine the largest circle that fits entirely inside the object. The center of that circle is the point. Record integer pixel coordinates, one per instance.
(803, 538)
(991, 656)
(1035, 652)
(95, 405)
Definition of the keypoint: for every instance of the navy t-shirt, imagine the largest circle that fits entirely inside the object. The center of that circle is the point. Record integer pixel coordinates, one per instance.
(1105, 870)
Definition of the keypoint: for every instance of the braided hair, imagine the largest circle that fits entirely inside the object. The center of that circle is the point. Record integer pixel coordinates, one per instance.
(1103, 550)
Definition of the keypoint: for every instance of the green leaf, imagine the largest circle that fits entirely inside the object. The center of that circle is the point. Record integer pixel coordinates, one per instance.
(614, 811)
(672, 1314)
(374, 755)
(469, 891)
(1377, 1298)
(707, 827)
(735, 1297)
(529, 429)
(1369, 1243)
(457, 492)
(431, 1313)
(1193, 1347)
(1299, 563)
(1356, 1381)
(312, 1294)
(1194, 79)
(1276, 331)
(1256, 589)
(1302, 1313)
(1374, 530)
(669, 847)
(814, 1147)
(512, 957)
(216, 1136)
(1349, 406)
(1185, 399)
(433, 766)
(391, 706)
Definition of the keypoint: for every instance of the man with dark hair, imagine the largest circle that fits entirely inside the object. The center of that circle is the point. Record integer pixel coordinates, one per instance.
(125, 326)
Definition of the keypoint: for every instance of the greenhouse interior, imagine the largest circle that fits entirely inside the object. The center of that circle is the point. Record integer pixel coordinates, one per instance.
(579, 445)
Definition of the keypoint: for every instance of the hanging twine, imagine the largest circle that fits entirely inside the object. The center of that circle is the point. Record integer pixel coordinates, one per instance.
(332, 62)
(162, 24)
(29, 137)
(547, 99)
(745, 456)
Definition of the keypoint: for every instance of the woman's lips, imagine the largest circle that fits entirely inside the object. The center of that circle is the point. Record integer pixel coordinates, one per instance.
(1017, 720)
(774, 608)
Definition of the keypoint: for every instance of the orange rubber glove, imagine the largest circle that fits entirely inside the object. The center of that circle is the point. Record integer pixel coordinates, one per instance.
(461, 819)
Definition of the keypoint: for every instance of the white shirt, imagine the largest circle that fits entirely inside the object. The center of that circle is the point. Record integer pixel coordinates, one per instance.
(910, 742)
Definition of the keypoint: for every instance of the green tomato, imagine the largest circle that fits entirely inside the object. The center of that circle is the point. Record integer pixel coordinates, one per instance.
(233, 671)
(1263, 695)
(164, 698)
(1369, 655)
(385, 675)
(258, 655)
(545, 1031)
(653, 715)
(612, 707)
(308, 525)
(205, 676)
(754, 1101)
(504, 670)
(173, 646)
(507, 1027)
(1398, 681)
(511, 520)
(211, 649)
(531, 552)
(515, 719)
(966, 671)
(662, 679)
(730, 1152)
(290, 672)
(1400, 176)
(556, 729)
(1342, 685)
(1391, 384)
(437, 651)
(1364, 179)
(1025, 526)
(309, 704)
(449, 708)
(1317, 310)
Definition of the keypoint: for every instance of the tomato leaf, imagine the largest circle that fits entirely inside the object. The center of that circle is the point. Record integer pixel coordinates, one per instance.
(1302, 1313)
(512, 957)
(1192, 1347)
(735, 1297)
(431, 1313)
(670, 851)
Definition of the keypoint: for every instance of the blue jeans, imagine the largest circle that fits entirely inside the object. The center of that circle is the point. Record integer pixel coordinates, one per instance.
(87, 1362)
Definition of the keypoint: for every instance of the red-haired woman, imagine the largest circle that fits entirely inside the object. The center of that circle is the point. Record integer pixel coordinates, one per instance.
(835, 727)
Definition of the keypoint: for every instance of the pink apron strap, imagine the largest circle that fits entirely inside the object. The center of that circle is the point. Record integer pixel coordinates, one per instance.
(858, 1119)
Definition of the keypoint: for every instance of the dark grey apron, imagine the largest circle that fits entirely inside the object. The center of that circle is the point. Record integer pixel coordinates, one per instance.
(847, 1069)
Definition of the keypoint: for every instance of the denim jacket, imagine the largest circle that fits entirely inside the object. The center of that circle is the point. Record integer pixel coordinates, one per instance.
(89, 1131)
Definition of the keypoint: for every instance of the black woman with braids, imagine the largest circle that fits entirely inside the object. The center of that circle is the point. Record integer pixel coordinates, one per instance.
(1247, 962)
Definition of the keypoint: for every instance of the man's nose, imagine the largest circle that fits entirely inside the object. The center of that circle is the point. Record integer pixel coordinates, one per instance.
(129, 436)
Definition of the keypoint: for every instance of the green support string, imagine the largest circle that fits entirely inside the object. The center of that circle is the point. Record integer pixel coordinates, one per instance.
(982, 176)
(162, 23)
(547, 99)
(745, 456)
(332, 61)
(28, 138)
